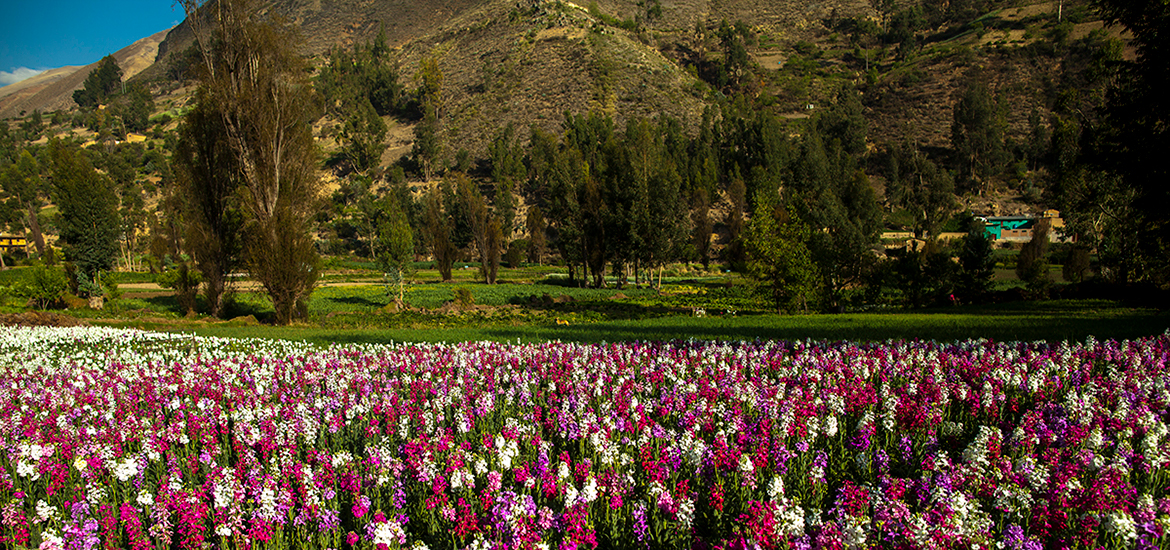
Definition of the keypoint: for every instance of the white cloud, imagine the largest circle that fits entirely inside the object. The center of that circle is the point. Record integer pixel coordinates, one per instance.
(17, 74)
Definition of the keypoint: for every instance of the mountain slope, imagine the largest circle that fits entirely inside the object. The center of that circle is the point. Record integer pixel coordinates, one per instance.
(53, 90)
(531, 61)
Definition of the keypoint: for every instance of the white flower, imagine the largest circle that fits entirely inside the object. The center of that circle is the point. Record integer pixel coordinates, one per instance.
(745, 464)
(223, 494)
(50, 541)
(126, 469)
(388, 533)
(855, 534)
(831, 426)
(44, 511)
(1119, 523)
(145, 499)
(570, 495)
(27, 469)
(341, 458)
(686, 512)
(589, 491)
(776, 488)
(267, 503)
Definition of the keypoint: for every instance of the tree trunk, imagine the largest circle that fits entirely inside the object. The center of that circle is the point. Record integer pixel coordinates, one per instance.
(34, 227)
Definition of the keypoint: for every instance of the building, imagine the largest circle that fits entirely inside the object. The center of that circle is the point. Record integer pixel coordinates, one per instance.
(11, 243)
(1019, 228)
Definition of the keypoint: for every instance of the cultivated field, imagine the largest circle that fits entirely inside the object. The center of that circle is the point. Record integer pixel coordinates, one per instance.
(128, 439)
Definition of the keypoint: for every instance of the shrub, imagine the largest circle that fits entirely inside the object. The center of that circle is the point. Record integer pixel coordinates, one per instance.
(42, 286)
(184, 279)
(463, 297)
(515, 253)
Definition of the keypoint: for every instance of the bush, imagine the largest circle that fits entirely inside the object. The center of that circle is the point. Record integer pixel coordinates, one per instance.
(463, 297)
(1076, 267)
(43, 286)
(515, 253)
(184, 279)
(1032, 263)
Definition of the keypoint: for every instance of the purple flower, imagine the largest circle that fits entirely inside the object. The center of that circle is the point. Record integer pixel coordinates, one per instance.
(1015, 539)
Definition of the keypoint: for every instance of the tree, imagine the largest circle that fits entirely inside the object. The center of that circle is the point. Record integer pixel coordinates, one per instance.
(537, 240)
(701, 221)
(507, 156)
(428, 141)
(1077, 266)
(209, 197)
(1032, 263)
(439, 229)
(22, 181)
(920, 186)
(734, 254)
(977, 137)
(884, 9)
(924, 274)
(1133, 141)
(254, 80)
(1105, 212)
(42, 286)
(363, 137)
(104, 81)
(567, 174)
(88, 214)
(778, 255)
(396, 247)
(976, 264)
(134, 108)
(485, 231)
(32, 126)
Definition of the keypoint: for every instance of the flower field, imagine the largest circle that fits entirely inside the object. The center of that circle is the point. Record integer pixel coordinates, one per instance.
(127, 439)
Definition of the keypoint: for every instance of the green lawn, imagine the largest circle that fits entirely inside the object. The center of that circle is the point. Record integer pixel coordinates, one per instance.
(1027, 321)
(535, 303)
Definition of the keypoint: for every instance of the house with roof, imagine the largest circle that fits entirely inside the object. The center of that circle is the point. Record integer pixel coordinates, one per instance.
(1020, 228)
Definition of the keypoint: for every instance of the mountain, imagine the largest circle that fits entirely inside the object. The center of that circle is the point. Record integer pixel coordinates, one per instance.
(53, 90)
(530, 61)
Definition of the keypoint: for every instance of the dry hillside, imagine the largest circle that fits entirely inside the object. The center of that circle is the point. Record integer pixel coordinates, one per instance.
(53, 90)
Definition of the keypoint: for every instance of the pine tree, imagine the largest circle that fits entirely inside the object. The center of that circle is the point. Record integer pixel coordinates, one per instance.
(88, 215)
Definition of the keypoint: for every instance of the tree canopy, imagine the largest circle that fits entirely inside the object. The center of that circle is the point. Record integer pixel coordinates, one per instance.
(104, 81)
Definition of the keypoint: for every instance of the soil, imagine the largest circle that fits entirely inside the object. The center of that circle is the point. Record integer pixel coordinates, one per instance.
(40, 319)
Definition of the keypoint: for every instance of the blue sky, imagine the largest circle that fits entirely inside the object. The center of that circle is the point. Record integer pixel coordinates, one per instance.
(37, 35)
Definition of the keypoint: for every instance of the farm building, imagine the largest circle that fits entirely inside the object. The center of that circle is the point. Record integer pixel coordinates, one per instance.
(1019, 228)
(10, 243)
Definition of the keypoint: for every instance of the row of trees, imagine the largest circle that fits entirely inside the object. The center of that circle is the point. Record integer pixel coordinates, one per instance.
(621, 203)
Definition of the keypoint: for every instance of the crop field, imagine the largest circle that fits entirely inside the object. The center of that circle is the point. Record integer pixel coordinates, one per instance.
(130, 439)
